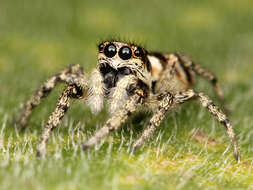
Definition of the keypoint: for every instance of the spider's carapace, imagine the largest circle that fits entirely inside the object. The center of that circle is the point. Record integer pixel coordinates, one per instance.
(116, 59)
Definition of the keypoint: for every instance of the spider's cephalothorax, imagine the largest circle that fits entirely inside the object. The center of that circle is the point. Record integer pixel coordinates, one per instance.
(118, 63)
(129, 77)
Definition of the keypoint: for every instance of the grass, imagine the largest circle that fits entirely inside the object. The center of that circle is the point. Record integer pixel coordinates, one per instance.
(189, 151)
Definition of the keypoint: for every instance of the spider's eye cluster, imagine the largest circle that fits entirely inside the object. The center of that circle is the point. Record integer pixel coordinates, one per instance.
(125, 53)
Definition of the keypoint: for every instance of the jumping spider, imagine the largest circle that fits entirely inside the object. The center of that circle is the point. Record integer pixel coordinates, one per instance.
(128, 76)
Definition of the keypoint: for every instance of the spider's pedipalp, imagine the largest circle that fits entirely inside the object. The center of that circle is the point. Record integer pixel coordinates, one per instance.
(120, 93)
(70, 75)
(96, 92)
(117, 119)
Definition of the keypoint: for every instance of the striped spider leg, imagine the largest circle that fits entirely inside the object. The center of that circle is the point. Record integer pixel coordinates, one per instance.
(71, 74)
(196, 68)
(167, 101)
(71, 91)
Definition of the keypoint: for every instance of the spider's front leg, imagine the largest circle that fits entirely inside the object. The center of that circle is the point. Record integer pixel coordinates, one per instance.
(71, 91)
(165, 102)
(76, 89)
(184, 97)
(119, 114)
(72, 74)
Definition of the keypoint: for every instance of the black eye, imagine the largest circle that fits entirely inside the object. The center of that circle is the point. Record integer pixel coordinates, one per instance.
(101, 47)
(125, 53)
(138, 52)
(110, 50)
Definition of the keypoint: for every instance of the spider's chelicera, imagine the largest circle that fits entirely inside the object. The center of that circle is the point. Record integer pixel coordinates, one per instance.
(128, 77)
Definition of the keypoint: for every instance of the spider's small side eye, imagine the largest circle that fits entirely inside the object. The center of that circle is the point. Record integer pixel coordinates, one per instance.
(138, 52)
(110, 50)
(125, 53)
(101, 47)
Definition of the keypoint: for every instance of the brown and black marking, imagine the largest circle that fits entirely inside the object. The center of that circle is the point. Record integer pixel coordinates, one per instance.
(185, 69)
(203, 72)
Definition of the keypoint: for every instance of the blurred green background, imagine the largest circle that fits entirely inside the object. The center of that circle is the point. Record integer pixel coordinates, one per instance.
(38, 38)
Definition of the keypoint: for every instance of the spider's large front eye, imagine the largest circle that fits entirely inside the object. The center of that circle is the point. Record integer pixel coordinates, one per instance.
(125, 53)
(110, 50)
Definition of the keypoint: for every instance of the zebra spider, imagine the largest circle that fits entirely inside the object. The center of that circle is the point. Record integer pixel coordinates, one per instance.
(128, 76)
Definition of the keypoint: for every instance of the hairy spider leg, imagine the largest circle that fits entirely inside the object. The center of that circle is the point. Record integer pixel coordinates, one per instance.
(71, 91)
(164, 102)
(71, 74)
(169, 100)
(203, 72)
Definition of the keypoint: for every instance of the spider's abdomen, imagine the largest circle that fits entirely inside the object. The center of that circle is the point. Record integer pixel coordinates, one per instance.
(177, 76)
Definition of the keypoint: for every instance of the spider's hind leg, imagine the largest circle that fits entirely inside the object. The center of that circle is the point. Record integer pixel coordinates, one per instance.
(203, 72)
(71, 91)
(73, 73)
(216, 112)
(169, 100)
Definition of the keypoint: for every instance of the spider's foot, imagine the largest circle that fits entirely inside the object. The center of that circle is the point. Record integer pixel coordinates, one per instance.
(19, 123)
(85, 147)
(41, 152)
(133, 150)
(136, 145)
(238, 157)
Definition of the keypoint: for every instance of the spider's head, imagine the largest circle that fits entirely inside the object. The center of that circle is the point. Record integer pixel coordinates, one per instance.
(116, 59)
